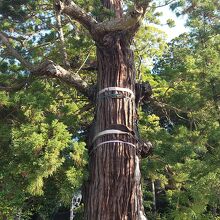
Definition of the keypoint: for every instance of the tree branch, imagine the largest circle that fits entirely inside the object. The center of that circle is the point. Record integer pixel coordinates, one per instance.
(131, 20)
(52, 70)
(125, 22)
(47, 68)
(119, 24)
(75, 12)
(62, 40)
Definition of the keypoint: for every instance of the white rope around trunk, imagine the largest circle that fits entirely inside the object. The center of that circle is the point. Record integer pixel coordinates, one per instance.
(118, 89)
(113, 141)
(111, 131)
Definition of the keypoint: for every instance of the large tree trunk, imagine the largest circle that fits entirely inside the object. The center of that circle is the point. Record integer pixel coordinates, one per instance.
(114, 191)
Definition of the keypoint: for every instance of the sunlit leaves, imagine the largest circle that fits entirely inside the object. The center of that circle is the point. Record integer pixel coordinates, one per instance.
(170, 23)
(186, 152)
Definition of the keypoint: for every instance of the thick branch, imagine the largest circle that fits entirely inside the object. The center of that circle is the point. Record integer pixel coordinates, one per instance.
(47, 68)
(75, 12)
(119, 24)
(128, 21)
(52, 70)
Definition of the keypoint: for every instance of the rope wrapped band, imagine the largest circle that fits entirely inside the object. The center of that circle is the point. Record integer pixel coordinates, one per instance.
(142, 148)
(113, 141)
(116, 141)
(117, 95)
(110, 131)
(113, 131)
(120, 89)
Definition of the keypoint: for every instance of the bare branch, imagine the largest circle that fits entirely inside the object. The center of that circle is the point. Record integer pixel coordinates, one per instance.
(75, 12)
(52, 70)
(62, 40)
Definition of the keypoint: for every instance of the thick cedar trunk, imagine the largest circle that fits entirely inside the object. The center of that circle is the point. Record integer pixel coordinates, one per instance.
(113, 191)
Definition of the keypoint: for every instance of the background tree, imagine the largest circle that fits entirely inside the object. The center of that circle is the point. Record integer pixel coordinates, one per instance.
(184, 167)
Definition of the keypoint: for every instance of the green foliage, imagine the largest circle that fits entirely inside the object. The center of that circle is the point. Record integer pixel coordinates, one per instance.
(43, 157)
(35, 127)
(185, 164)
(170, 23)
(15, 9)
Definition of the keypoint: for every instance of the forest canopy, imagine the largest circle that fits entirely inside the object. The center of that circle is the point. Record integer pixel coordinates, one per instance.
(45, 117)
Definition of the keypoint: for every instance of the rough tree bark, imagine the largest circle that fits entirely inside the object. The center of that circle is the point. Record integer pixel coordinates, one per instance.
(113, 191)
